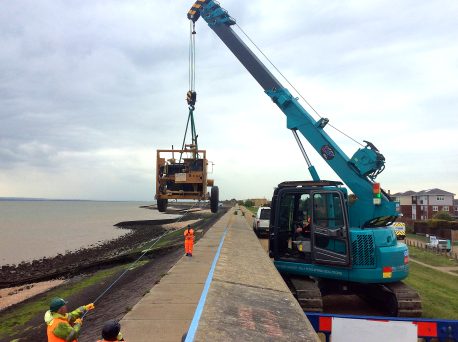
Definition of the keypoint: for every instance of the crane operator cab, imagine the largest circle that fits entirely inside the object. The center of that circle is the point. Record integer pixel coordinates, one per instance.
(309, 223)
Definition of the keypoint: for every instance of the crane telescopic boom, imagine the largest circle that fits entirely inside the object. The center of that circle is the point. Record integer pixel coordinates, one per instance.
(358, 172)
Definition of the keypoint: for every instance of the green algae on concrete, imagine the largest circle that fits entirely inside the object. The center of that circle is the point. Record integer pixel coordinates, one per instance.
(13, 321)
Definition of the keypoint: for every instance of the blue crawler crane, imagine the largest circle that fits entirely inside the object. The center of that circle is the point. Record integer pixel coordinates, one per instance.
(322, 239)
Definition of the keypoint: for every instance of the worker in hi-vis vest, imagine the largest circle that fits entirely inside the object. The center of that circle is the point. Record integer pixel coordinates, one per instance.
(63, 325)
(188, 240)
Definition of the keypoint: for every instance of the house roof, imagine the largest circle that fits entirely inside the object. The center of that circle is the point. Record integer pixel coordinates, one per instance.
(430, 192)
(405, 193)
(434, 191)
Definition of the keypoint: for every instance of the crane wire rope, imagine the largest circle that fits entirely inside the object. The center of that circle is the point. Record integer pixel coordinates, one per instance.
(156, 240)
(292, 86)
(192, 56)
(191, 95)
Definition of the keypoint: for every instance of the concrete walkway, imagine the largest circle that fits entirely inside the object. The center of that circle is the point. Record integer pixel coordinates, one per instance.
(244, 299)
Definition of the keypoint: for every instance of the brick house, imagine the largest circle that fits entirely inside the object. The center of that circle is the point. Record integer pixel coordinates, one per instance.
(455, 209)
(422, 205)
(259, 202)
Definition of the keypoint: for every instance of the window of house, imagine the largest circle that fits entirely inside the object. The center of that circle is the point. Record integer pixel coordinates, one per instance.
(435, 208)
(456, 208)
(414, 216)
(445, 208)
(440, 198)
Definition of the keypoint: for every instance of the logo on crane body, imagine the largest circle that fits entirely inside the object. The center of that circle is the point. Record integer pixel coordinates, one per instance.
(327, 152)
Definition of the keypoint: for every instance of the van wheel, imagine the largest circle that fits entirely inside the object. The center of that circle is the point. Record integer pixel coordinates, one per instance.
(214, 199)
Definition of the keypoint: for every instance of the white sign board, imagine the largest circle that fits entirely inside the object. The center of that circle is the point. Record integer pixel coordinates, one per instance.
(180, 177)
(363, 330)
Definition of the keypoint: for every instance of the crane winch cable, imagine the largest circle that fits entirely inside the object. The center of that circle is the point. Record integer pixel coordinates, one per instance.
(192, 56)
(292, 86)
(191, 95)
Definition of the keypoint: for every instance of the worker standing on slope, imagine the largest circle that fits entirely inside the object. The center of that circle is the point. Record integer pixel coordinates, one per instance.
(63, 325)
(188, 240)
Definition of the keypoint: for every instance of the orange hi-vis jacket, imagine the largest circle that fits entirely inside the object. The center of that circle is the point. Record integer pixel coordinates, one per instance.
(188, 241)
(62, 328)
(189, 234)
(51, 327)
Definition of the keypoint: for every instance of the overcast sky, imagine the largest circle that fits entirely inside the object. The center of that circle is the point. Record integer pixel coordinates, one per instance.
(90, 89)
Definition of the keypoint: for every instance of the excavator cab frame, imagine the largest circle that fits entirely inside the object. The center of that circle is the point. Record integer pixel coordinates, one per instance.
(320, 212)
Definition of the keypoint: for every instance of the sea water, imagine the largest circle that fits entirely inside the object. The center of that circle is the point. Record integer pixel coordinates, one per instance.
(34, 229)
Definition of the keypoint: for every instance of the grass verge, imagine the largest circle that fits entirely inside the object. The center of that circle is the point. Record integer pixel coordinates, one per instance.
(424, 238)
(253, 210)
(13, 322)
(438, 291)
(430, 258)
(417, 237)
(169, 239)
(172, 238)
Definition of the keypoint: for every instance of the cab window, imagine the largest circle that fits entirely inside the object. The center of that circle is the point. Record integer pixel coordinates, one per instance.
(327, 210)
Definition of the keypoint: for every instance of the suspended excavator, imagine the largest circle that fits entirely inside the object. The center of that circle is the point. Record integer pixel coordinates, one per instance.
(185, 178)
(345, 244)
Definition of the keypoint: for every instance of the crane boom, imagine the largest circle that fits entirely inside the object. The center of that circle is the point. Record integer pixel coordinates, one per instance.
(358, 172)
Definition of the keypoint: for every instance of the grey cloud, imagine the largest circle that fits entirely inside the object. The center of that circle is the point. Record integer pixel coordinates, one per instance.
(80, 77)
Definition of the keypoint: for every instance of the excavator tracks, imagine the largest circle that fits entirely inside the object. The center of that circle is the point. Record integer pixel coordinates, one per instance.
(396, 299)
(407, 299)
(307, 292)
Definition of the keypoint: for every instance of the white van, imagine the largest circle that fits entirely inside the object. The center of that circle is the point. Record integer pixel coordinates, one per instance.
(399, 229)
(261, 221)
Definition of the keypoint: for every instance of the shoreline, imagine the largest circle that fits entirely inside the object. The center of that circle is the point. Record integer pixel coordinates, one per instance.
(25, 320)
(108, 252)
(13, 295)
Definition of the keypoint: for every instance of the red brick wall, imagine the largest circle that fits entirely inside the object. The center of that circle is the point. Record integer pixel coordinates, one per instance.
(406, 210)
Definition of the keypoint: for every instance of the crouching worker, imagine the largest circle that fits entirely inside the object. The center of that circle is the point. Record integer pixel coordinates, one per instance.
(111, 331)
(63, 325)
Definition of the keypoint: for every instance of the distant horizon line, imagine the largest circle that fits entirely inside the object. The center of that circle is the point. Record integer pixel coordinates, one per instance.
(37, 199)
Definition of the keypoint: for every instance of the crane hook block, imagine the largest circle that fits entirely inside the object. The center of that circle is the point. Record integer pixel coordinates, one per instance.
(191, 97)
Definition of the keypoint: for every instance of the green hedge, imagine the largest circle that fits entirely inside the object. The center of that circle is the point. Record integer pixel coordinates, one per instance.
(440, 228)
(436, 224)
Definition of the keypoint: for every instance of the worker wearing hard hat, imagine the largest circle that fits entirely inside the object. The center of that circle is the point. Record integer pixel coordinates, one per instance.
(63, 325)
(188, 240)
(111, 331)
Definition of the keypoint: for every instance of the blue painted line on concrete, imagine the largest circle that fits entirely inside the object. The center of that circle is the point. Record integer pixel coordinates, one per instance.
(203, 297)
